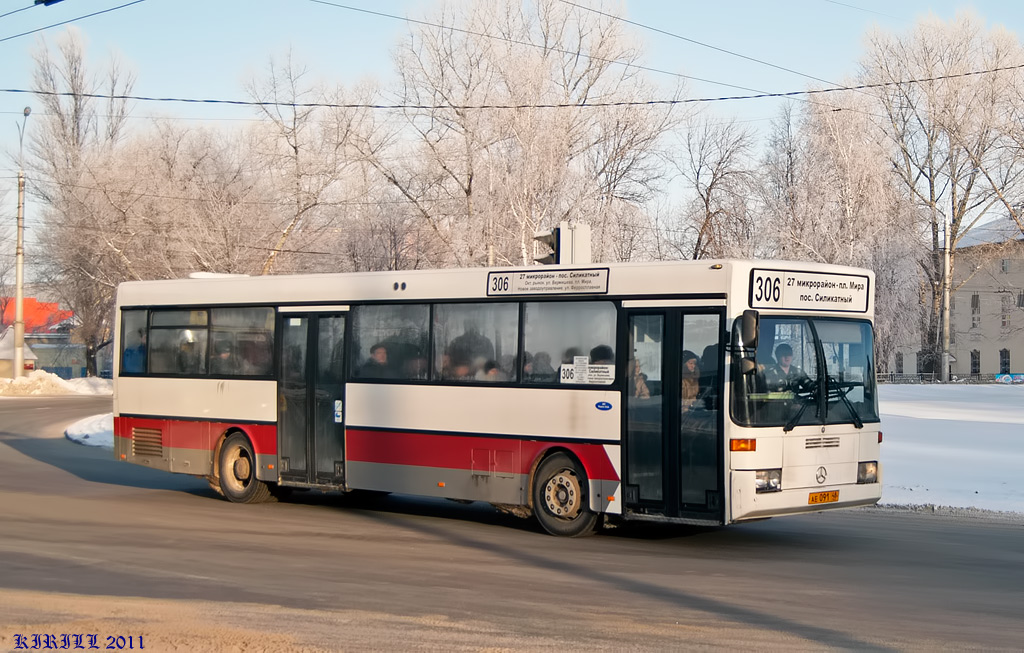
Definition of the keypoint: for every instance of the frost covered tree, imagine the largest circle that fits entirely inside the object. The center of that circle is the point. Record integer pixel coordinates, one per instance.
(944, 96)
(74, 135)
(483, 179)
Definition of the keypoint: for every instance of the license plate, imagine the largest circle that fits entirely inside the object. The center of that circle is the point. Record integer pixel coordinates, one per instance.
(823, 497)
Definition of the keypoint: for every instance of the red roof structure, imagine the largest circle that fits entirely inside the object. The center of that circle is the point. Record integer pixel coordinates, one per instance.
(40, 317)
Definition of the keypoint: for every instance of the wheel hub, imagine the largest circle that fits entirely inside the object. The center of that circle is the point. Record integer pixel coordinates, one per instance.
(562, 495)
(242, 469)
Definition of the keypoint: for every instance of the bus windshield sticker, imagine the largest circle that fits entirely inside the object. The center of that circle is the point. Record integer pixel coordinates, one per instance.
(809, 291)
(593, 281)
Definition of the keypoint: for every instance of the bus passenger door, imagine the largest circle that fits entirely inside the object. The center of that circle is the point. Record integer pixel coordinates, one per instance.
(311, 399)
(673, 420)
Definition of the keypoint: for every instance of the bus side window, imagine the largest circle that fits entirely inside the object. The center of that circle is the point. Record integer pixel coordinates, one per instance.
(133, 345)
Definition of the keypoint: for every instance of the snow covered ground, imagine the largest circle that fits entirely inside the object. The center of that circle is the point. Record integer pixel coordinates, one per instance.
(952, 446)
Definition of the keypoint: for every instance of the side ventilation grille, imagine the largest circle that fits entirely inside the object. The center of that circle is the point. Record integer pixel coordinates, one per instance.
(822, 443)
(147, 442)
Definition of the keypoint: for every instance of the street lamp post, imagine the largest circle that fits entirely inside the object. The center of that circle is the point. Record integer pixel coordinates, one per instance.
(19, 260)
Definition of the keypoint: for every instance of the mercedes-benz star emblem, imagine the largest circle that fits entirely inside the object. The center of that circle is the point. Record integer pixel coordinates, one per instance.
(821, 475)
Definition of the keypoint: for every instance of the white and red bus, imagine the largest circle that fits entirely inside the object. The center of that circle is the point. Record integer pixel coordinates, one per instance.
(706, 392)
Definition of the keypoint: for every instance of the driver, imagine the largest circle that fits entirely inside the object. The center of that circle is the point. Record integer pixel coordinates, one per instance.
(784, 375)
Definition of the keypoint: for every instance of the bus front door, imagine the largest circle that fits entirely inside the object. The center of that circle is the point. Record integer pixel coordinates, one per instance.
(311, 400)
(673, 442)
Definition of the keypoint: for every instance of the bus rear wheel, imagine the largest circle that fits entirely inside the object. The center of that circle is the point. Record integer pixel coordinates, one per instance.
(560, 498)
(237, 472)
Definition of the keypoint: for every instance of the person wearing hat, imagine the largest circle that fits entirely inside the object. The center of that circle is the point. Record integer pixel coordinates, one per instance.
(784, 375)
(691, 378)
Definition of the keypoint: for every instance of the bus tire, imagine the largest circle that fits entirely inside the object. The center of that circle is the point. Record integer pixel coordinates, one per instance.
(560, 498)
(237, 472)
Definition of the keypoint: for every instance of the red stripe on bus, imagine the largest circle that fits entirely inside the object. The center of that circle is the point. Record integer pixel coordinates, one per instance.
(189, 434)
(464, 452)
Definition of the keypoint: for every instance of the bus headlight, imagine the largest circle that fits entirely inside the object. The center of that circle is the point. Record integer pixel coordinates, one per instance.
(768, 480)
(867, 472)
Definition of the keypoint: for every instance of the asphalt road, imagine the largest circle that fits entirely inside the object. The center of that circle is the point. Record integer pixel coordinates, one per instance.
(91, 545)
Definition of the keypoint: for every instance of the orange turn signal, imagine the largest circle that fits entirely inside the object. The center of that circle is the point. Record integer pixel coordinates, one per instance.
(440, 484)
(744, 444)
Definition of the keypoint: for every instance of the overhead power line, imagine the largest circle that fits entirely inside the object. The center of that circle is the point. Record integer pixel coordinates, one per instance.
(71, 20)
(15, 11)
(554, 105)
(532, 45)
(696, 42)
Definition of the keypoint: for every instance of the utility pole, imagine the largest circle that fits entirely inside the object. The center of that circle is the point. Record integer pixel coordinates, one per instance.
(19, 260)
(946, 284)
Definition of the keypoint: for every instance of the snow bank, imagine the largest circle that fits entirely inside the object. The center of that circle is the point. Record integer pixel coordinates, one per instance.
(45, 383)
(95, 431)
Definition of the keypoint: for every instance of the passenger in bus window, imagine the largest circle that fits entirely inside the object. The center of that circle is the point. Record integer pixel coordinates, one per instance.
(472, 347)
(507, 365)
(134, 358)
(569, 357)
(256, 358)
(541, 371)
(189, 353)
(602, 355)
(415, 367)
(637, 380)
(376, 366)
(784, 375)
(461, 369)
(491, 373)
(690, 379)
(223, 361)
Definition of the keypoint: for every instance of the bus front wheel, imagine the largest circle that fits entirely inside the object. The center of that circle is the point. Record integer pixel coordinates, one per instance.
(560, 498)
(237, 472)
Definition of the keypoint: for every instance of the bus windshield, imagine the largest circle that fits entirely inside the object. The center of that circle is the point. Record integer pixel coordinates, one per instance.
(808, 371)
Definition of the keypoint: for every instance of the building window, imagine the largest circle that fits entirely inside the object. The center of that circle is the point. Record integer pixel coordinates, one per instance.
(1020, 299)
(975, 311)
(1004, 361)
(975, 361)
(1004, 265)
(1006, 304)
(899, 362)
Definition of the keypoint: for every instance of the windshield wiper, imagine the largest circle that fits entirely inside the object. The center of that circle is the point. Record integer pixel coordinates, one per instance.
(839, 390)
(811, 397)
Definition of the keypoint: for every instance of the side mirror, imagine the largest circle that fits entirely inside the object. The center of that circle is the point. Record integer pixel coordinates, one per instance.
(750, 322)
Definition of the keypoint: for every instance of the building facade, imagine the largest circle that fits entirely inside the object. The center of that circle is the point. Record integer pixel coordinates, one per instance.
(986, 311)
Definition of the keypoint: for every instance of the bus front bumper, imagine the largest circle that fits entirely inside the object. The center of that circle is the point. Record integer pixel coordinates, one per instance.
(747, 503)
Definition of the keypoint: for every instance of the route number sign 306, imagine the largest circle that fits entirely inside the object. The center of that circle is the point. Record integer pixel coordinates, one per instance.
(767, 288)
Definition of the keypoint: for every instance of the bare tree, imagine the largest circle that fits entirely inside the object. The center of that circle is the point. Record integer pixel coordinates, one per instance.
(717, 167)
(306, 150)
(484, 179)
(73, 136)
(944, 123)
(828, 196)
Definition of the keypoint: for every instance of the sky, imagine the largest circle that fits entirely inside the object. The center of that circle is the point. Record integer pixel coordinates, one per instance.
(209, 50)
(953, 448)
